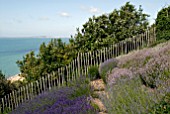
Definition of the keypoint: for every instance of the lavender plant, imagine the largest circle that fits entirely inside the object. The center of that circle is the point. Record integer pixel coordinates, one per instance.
(128, 96)
(66, 100)
(139, 59)
(81, 87)
(163, 107)
(117, 73)
(126, 92)
(106, 67)
(156, 71)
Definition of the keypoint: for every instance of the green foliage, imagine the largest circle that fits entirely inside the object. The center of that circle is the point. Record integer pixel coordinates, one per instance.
(163, 107)
(163, 24)
(95, 106)
(147, 58)
(5, 86)
(54, 55)
(107, 29)
(93, 72)
(6, 110)
(129, 96)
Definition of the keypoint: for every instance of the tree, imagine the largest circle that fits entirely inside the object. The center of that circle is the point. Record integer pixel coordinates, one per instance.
(163, 24)
(54, 55)
(6, 86)
(107, 29)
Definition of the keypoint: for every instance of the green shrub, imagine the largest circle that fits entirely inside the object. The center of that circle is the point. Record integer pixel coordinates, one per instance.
(106, 67)
(93, 72)
(6, 86)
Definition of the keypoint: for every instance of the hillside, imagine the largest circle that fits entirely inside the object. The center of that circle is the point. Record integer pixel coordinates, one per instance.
(141, 82)
(138, 84)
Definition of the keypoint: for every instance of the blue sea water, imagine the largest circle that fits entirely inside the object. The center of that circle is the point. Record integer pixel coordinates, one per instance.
(13, 49)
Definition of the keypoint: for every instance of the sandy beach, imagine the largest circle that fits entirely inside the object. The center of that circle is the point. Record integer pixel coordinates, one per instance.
(15, 78)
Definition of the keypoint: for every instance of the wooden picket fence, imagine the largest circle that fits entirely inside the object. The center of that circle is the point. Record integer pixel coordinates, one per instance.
(78, 67)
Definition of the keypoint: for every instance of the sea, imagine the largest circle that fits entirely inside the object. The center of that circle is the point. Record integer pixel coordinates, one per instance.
(13, 49)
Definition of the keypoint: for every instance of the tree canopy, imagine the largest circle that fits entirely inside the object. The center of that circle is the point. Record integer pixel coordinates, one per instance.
(109, 28)
(163, 24)
(51, 56)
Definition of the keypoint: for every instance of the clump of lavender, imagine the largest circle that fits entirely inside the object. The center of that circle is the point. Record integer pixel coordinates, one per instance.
(156, 70)
(107, 66)
(138, 59)
(135, 60)
(66, 100)
(118, 73)
(43, 101)
(79, 105)
(129, 96)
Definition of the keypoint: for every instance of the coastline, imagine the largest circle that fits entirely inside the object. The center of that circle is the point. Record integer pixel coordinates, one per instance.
(16, 77)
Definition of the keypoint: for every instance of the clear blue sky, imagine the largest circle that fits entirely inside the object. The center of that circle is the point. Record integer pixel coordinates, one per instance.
(60, 18)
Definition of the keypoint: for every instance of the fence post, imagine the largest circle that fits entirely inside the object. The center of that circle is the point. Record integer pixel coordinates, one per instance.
(49, 83)
(91, 57)
(59, 76)
(154, 34)
(24, 94)
(3, 104)
(14, 99)
(78, 60)
(8, 101)
(101, 55)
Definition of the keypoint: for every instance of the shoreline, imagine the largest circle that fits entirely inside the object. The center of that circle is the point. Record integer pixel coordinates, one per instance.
(16, 77)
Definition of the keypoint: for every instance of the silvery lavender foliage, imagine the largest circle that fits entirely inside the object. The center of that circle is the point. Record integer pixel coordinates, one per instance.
(127, 96)
(152, 64)
(157, 69)
(135, 60)
(131, 96)
(107, 66)
(118, 73)
(138, 59)
(55, 102)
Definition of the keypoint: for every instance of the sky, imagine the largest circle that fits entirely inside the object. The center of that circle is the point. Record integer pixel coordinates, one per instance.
(60, 18)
